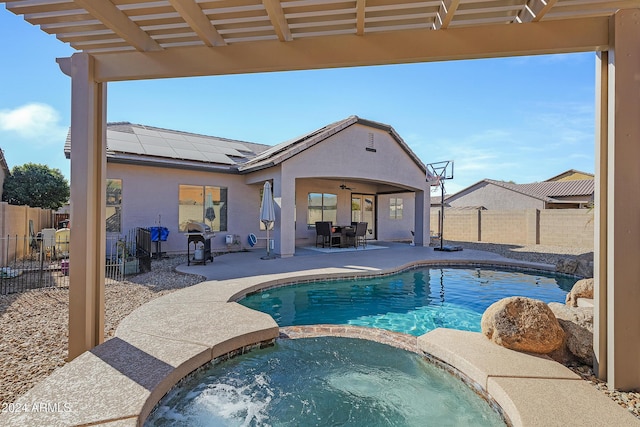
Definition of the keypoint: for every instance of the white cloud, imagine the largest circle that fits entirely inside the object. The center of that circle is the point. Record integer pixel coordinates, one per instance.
(37, 122)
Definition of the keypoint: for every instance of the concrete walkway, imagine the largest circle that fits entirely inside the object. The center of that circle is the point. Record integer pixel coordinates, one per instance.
(118, 383)
(245, 264)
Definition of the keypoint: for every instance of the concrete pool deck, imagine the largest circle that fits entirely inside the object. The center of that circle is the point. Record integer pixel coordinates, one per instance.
(119, 382)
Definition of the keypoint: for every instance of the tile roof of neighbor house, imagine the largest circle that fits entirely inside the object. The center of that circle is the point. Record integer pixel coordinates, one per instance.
(3, 163)
(131, 142)
(545, 191)
(285, 150)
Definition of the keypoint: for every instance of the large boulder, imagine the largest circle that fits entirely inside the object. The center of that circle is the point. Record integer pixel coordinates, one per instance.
(582, 289)
(522, 324)
(580, 266)
(577, 323)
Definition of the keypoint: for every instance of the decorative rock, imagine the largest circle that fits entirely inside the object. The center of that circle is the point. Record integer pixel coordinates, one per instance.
(522, 324)
(582, 289)
(577, 323)
(580, 266)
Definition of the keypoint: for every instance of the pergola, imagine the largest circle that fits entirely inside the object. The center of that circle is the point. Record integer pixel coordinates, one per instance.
(122, 40)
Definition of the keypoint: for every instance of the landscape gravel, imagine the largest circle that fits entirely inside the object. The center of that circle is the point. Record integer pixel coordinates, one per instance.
(33, 324)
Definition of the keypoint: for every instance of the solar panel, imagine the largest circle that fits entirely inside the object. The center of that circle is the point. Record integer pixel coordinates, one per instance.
(125, 146)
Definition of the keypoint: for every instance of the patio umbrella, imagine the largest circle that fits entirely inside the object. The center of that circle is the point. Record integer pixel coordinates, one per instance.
(267, 213)
(209, 212)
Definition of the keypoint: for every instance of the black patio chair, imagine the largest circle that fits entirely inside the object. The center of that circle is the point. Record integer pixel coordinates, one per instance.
(357, 236)
(323, 230)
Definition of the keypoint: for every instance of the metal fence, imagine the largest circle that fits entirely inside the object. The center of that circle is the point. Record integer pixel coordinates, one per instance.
(42, 261)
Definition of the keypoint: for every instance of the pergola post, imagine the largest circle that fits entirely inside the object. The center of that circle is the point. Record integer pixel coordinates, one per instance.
(618, 228)
(88, 177)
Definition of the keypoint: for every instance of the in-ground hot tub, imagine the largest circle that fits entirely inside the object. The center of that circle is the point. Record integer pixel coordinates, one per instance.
(320, 382)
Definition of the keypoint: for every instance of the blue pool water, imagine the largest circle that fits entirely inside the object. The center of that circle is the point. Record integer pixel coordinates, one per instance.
(325, 381)
(412, 302)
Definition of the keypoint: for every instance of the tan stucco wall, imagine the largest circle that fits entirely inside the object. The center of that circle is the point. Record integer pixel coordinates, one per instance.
(344, 156)
(396, 229)
(573, 176)
(150, 192)
(494, 197)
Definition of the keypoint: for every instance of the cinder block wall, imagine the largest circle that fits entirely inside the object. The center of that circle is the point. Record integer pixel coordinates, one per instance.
(464, 224)
(567, 227)
(503, 227)
(556, 227)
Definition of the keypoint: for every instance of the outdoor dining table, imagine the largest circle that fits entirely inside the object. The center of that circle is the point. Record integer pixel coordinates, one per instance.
(342, 229)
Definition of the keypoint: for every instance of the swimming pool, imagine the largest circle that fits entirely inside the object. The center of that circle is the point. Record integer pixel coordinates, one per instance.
(412, 302)
(321, 382)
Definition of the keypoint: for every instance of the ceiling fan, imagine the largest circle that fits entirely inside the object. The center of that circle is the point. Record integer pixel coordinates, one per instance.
(344, 186)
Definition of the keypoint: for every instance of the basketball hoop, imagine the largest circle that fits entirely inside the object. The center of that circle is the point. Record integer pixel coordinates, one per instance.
(432, 179)
(437, 173)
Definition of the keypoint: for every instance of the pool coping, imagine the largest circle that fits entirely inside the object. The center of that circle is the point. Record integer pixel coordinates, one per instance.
(151, 352)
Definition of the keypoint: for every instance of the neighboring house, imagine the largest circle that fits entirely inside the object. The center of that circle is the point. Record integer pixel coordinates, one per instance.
(571, 175)
(4, 171)
(351, 170)
(493, 195)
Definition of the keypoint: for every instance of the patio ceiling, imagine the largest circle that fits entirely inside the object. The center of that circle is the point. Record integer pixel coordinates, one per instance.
(139, 39)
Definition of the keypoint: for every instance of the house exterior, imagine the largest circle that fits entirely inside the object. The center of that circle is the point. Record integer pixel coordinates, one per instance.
(4, 171)
(351, 170)
(571, 175)
(499, 195)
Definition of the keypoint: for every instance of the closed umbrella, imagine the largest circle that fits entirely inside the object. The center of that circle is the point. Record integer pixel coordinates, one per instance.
(267, 213)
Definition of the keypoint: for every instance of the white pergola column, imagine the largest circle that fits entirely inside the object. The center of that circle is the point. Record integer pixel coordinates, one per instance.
(422, 218)
(88, 175)
(617, 249)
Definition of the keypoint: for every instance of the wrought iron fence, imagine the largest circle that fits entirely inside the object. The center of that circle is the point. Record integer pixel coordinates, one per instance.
(42, 261)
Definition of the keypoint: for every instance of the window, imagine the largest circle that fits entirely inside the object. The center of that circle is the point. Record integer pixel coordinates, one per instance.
(395, 208)
(114, 205)
(202, 204)
(322, 207)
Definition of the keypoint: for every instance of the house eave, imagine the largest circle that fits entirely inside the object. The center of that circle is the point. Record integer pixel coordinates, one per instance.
(170, 163)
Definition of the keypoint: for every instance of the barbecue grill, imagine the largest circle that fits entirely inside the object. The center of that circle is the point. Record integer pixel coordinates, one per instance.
(199, 232)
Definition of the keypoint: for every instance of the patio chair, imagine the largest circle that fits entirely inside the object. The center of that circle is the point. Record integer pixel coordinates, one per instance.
(357, 236)
(323, 230)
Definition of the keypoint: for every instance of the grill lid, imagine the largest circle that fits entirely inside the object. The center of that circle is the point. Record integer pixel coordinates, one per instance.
(198, 227)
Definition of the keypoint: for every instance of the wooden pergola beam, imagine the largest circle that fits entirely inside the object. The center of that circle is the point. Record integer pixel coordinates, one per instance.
(116, 20)
(198, 21)
(410, 46)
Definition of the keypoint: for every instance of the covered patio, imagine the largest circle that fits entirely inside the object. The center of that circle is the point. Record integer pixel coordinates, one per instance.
(123, 40)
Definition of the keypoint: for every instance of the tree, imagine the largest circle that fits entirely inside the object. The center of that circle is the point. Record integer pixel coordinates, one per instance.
(36, 185)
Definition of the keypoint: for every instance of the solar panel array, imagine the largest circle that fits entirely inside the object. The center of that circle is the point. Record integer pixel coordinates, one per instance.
(141, 140)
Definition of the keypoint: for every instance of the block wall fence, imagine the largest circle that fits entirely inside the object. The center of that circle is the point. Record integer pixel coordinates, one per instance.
(554, 227)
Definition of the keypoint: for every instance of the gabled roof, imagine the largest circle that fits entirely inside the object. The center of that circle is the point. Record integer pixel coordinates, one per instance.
(3, 164)
(141, 144)
(545, 191)
(149, 144)
(283, 151)
(568, 174)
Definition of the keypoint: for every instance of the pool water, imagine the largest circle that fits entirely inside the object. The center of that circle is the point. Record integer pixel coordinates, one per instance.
(325, 381)
(413, 302)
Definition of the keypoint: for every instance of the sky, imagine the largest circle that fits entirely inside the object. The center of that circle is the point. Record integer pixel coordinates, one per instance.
(522, 119)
